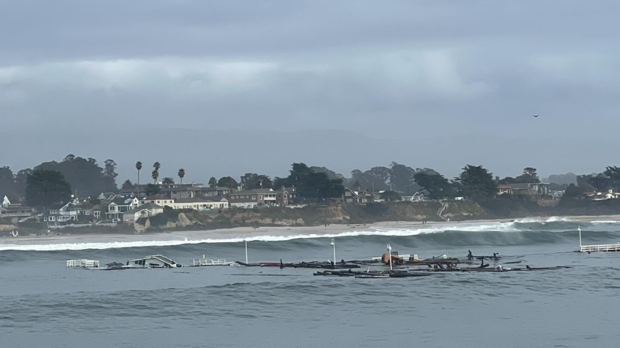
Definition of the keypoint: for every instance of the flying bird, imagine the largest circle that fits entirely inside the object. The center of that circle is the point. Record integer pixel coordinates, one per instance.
(535, 115)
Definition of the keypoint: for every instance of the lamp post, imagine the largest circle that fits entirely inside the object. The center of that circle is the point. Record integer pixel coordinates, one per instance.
(333, 243)
(245, 241)
(389, 247)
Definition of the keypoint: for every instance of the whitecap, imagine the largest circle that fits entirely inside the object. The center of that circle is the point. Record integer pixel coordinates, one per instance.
(404, 232)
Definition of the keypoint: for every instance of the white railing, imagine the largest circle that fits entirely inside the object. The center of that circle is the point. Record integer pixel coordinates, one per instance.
(83, 263)
(211, 262)
(600, 248)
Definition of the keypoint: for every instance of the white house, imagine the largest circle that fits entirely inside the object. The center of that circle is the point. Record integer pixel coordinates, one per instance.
(94, 211)
(15, 210)
(143, 211)
(201, 204)
(121, 205)
(6, 202)
(62, 213)
(160, 200)
(358, 195)
(602, 196)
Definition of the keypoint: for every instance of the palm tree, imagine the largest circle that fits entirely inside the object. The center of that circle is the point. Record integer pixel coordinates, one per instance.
(139, 167)
(181, 175)
(155, 173)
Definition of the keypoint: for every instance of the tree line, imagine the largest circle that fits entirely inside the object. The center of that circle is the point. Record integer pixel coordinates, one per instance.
(85, 177)
(609, 179)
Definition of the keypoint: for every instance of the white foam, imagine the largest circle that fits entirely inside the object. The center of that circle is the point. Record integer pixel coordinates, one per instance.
(486, 227)
(558, 219)
(404, 232)
(541, 220)
(529, 220)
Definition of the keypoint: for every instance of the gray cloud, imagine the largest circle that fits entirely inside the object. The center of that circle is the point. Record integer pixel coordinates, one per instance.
(444, 71)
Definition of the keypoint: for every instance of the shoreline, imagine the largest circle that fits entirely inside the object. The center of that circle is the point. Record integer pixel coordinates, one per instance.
(188, 236)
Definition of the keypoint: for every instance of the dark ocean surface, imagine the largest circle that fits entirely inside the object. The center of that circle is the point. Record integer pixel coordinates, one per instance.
(45, 304)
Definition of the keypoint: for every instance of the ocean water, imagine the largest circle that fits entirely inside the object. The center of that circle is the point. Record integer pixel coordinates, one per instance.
(45, 304)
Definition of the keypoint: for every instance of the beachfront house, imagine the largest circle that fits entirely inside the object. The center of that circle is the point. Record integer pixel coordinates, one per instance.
(217, 191)
(60, 214)
(196, 203)
(119, 206)
(526, 189)
(181, 191)
(14, 211)
(144, 211)
(201, 203)
(160, 200)
(90, 212)
(504, 190)
(6, 201)
(259, 197)
(358, 195)
(602, 196)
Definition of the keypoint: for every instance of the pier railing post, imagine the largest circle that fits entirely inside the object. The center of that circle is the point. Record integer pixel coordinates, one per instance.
(333, 243)
(246, 250)
(389, 247)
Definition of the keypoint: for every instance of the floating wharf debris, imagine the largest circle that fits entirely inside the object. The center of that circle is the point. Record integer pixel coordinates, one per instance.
(313, 264)
(83, 263)
(601, 248)
(427, 272)
(491, 269)
(154, 261)
(151, 261)
(205, 262)
(371, 274)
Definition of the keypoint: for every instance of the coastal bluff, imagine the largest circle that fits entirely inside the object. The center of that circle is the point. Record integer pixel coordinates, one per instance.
(342, 214)
(315, 215)
(319, 215)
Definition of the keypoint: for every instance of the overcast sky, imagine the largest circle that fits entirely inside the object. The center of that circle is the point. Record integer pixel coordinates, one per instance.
(437, 76)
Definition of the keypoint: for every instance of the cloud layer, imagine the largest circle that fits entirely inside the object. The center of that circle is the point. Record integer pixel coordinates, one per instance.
(400, 69)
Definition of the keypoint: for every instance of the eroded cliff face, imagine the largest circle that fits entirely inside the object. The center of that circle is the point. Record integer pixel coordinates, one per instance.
(315, 215)
(500, 208)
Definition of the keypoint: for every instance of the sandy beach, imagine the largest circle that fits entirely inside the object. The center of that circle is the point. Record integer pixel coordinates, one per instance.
(274, 233)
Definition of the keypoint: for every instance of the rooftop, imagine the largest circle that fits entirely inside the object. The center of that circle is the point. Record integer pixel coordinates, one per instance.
(151, 198)
(254, 192)
(122, 201)
(200, 199)
(143, 207)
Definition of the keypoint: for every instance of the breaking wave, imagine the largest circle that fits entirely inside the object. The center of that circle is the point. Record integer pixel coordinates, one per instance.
(522, 231)
(378, 232)
(543, 220)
